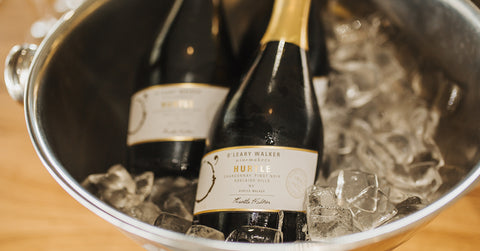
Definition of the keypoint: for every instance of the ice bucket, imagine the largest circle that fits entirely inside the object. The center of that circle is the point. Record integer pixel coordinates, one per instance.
(76, 98)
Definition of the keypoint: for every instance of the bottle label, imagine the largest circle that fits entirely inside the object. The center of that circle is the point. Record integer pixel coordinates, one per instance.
(173, 112)
(255, 178)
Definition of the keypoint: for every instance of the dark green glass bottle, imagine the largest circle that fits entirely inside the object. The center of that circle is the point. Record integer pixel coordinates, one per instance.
(182, 82)
(266, 140)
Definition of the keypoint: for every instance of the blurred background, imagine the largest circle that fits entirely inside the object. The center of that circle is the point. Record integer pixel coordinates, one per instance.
(37, 214)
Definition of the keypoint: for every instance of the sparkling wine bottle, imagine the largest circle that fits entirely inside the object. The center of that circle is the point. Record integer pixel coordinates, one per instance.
(182, 82)
(265, 143)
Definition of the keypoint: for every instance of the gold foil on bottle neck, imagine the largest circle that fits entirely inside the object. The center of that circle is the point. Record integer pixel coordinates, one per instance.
(289, 23)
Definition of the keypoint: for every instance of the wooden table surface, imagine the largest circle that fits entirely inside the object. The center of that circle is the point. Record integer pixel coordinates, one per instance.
(37, 214)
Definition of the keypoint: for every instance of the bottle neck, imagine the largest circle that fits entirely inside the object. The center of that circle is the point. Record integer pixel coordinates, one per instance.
(289, 23)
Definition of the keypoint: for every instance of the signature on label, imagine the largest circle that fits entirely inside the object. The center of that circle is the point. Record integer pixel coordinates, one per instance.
(250, 201)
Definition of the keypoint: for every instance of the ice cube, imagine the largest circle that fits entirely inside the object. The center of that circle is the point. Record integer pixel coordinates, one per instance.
(357, 85)
(205, 232)
(387, 65)
(161, 188)
(374, 114)
(324, 223)
(176, 206)
(351, 31)
(255, 234)
(336, 163)
(397, 194)
(144, 184)
(172, 222)
(374, 157)
(164, 186)
(398, 144)
(360, 80)
(367, 220)
(91, 183)
(187, 195)
(358, 189)
(320, 196)
(348, 41)
(325, 218)
(145, 211)
(116, 187)
(121, 198)
(118, 178)
(421, 178)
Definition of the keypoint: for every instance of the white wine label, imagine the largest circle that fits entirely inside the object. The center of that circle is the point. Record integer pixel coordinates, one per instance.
(173, 112)
(255, 178)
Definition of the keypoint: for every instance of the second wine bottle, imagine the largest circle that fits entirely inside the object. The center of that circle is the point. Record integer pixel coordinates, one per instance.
(182, 82)
(265, 143)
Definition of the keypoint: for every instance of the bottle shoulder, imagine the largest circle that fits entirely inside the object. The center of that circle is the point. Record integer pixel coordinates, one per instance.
(193, 48)
(274, 105)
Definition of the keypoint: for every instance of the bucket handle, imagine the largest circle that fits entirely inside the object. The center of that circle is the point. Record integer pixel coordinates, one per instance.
(17, 69)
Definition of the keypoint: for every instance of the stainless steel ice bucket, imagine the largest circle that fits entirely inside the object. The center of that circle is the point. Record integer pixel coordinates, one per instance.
(76, 93)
